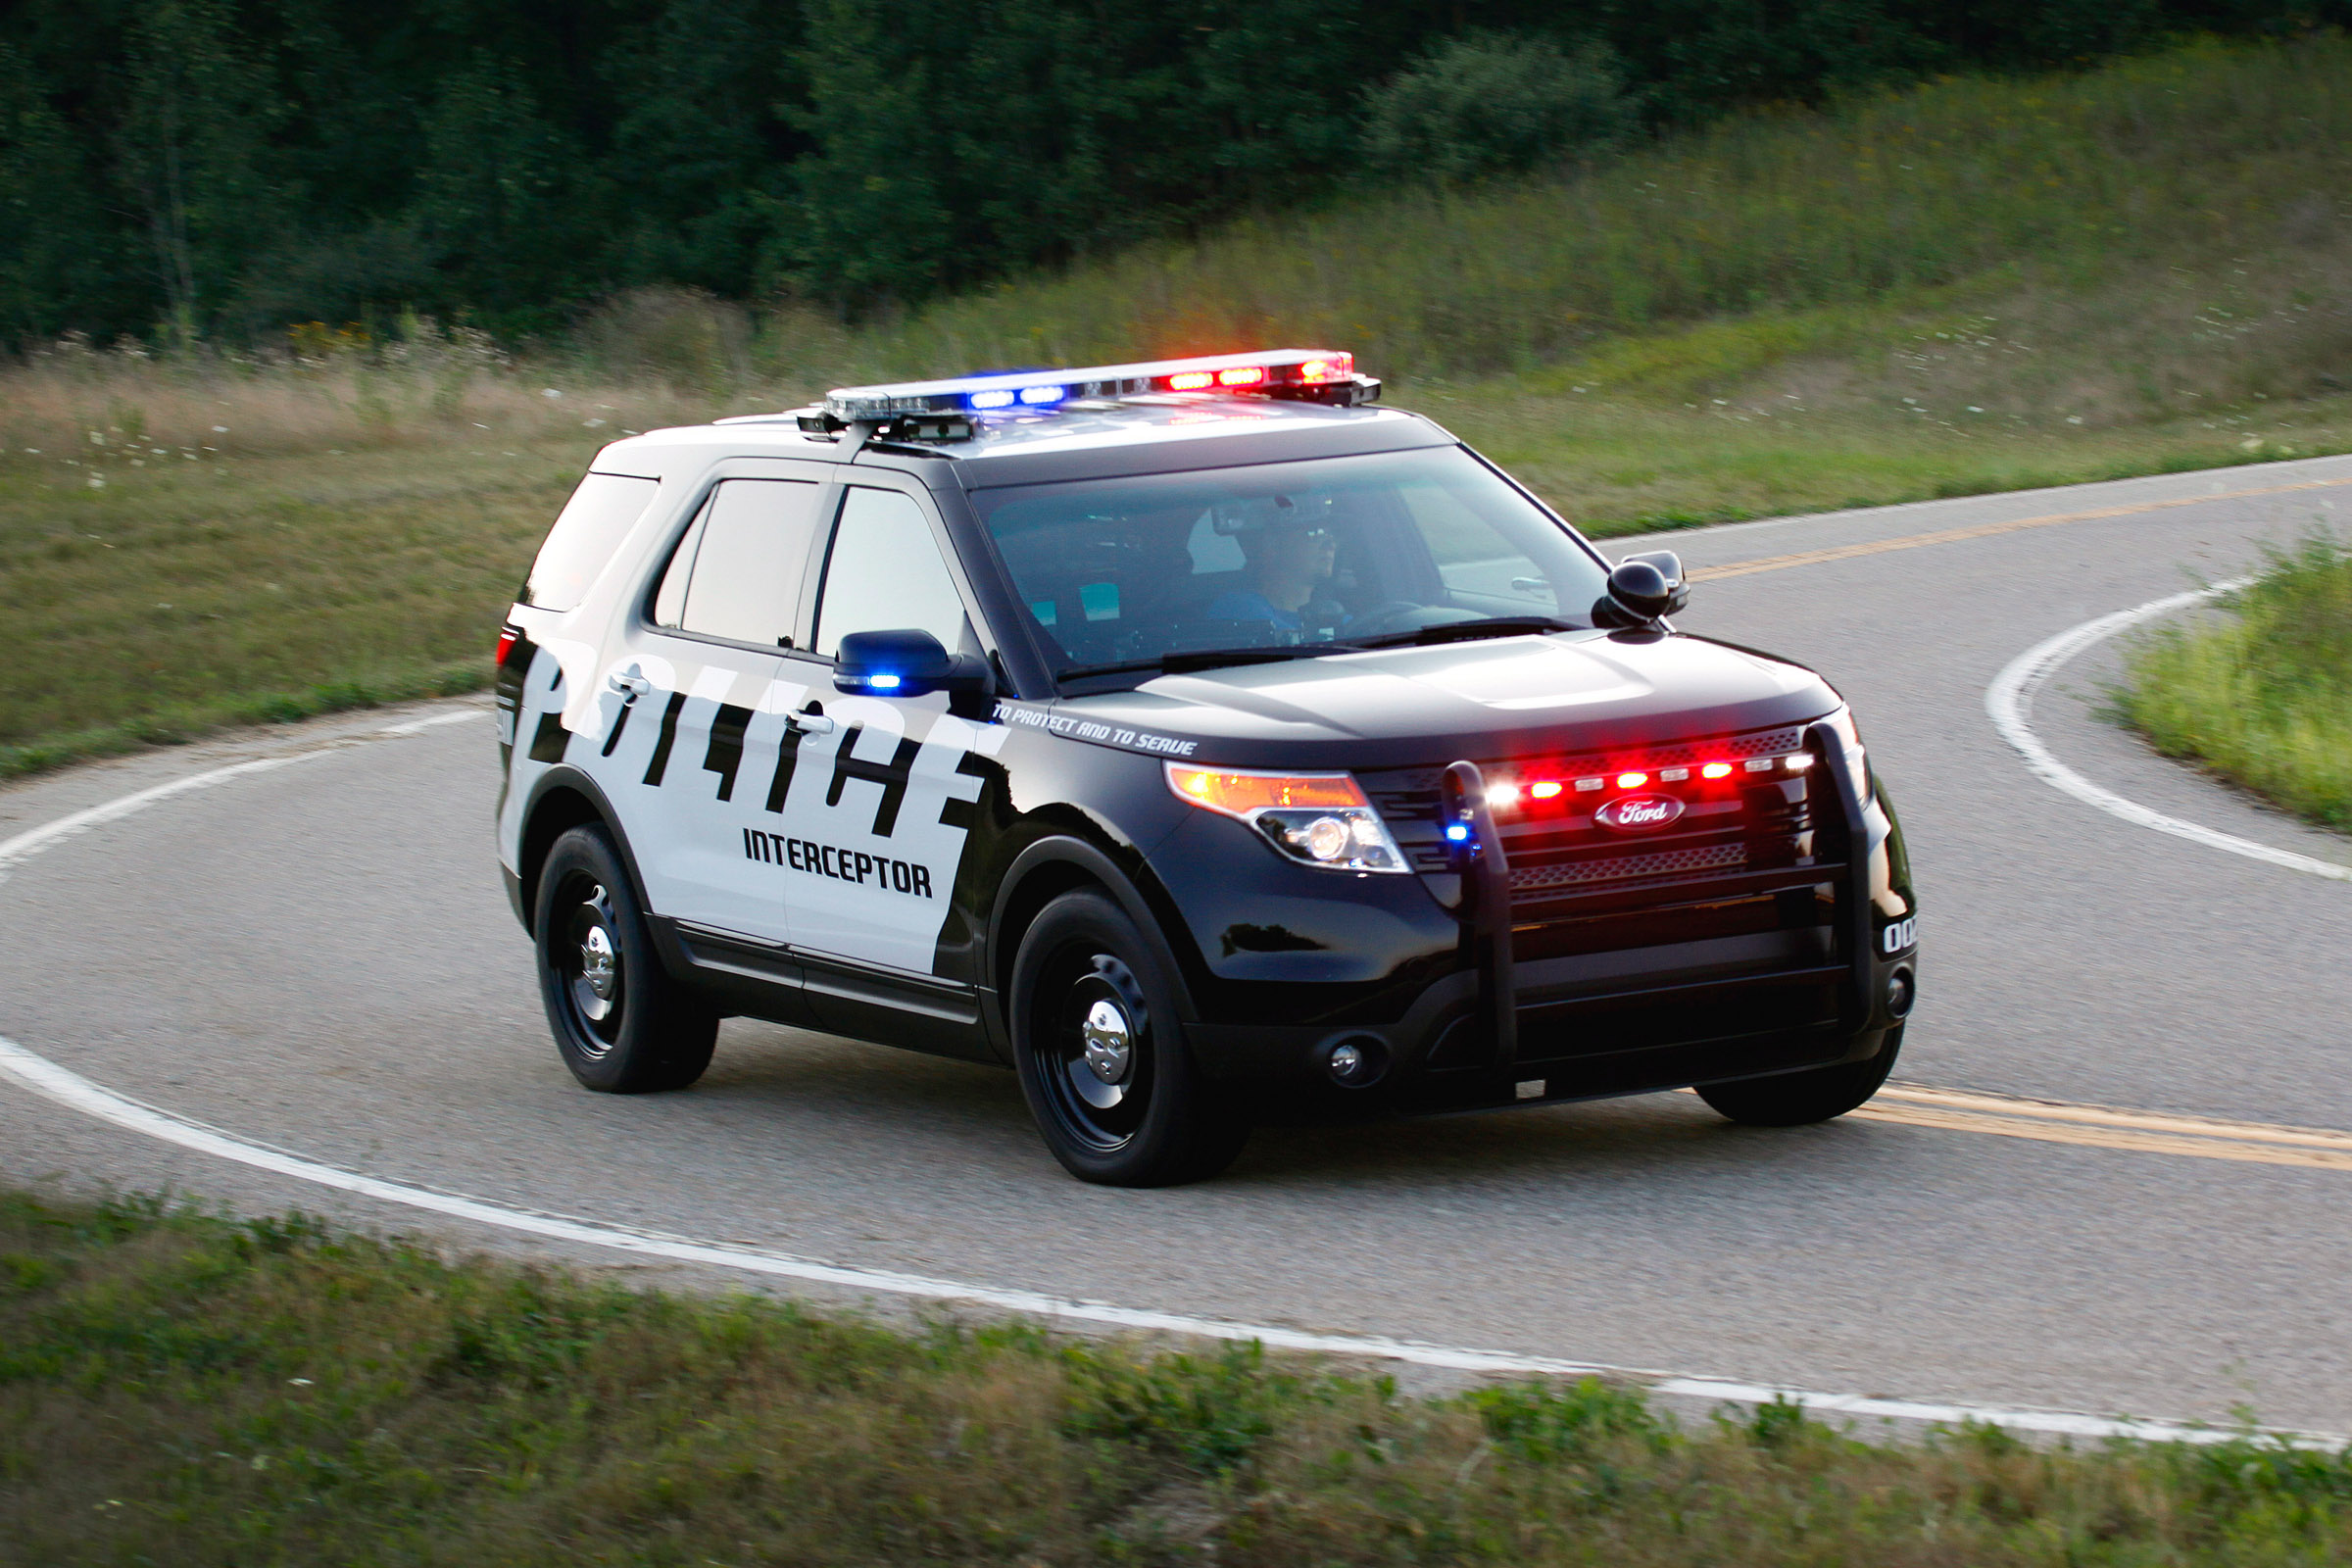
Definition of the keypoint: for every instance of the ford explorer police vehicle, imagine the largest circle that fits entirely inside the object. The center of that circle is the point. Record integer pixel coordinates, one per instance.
(1208, 744)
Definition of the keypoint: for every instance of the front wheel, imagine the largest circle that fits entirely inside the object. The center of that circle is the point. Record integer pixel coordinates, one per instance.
(1101, 1055)
(622, 1024)
(1795, 1098)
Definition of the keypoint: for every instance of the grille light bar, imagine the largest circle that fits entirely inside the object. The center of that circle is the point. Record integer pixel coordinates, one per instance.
(1316, 374)
(1504, 795)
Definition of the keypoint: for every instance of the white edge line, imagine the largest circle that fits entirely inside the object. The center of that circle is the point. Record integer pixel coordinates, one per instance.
(65, 1087)
(23, 846)
(2009, 700)
(70, 1089)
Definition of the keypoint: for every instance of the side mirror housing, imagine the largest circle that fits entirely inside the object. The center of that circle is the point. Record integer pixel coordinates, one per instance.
(907, 663)
(1642, 589)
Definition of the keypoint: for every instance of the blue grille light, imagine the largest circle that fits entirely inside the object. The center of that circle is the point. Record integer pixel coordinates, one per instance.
(1457, 831)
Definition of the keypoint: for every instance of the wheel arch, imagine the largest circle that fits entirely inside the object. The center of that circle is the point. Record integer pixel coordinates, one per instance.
(563, 800)
(1042, 873)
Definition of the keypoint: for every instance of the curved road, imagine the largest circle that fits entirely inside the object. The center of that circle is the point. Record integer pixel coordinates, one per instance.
(318, 959)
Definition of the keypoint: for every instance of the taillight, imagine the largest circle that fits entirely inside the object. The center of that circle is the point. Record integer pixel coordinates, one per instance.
(508, 637)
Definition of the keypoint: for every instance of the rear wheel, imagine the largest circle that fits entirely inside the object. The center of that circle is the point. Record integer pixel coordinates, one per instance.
(1794, 1099)
(1101, 1055)
(622, 1025)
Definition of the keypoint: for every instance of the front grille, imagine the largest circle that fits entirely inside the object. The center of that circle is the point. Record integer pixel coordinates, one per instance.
(1706, 858)
(1749, 823)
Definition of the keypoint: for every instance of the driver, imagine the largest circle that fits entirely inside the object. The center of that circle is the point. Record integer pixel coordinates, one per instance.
(1289, 555)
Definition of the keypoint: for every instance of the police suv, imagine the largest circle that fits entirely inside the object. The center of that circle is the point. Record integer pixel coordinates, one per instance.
(1202, 742)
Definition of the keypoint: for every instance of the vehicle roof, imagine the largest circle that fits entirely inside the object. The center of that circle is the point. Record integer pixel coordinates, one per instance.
(1156, 433)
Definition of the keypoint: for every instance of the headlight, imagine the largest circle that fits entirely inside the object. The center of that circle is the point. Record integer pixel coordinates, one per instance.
(1843, 721)
(1320, 818)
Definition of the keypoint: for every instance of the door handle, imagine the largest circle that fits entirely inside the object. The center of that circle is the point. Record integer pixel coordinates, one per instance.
(809, 723)
(629, 685)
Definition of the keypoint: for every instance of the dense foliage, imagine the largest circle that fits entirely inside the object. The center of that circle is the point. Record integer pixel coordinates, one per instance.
(199, 166)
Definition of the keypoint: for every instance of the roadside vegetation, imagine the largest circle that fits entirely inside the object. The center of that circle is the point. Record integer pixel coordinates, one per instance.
(180, 1389)
(2260, 692)
(1972, 285)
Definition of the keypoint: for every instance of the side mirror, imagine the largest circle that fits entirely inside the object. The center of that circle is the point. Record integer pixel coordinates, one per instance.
(1642, 589)
(907, 663)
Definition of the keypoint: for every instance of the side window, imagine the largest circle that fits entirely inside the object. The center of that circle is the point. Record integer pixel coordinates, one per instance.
(885, 573)
(737, 573)
(669, 604)
(584, 537)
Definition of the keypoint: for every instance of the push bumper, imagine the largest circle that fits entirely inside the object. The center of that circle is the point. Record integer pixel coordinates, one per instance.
(1499, 1033)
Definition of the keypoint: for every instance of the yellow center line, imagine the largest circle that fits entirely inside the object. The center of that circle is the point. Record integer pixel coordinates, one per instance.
(2110, 1127)
(2261, 1132)
(1985, 530)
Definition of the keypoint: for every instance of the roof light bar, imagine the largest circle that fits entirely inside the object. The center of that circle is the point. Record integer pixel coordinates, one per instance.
(1317, 374)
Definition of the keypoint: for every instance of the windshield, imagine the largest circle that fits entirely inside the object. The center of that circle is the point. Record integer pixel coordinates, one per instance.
(1282, 558)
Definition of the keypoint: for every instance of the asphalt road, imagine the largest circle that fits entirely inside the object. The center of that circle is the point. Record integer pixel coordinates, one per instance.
(319, 958)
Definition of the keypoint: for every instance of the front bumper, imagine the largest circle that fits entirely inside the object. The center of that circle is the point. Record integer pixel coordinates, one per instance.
(1499, 1031)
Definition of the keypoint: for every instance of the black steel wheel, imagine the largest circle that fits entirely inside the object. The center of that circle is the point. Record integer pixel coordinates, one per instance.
(1101, 1055)
(622, 1025)
(1796, 1099)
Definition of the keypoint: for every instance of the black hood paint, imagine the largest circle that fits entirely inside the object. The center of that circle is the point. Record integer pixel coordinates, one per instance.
(1501, 697)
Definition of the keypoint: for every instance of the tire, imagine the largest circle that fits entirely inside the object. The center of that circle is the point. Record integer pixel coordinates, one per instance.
(1797, 1099)
(622, 1024)
(1102, 1059)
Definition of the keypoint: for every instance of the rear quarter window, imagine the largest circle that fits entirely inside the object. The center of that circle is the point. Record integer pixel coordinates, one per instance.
(584, 537)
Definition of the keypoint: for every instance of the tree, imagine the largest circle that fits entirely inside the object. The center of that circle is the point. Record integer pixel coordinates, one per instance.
(191, 150)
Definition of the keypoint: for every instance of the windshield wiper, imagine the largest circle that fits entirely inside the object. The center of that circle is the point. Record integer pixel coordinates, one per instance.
(1176, 664)
(1465, 630)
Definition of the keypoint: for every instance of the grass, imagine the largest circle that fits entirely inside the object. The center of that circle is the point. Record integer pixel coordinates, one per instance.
(2262, 693)
(185, 546)
(1975, 286)
(2204, 155)
(189, 1390)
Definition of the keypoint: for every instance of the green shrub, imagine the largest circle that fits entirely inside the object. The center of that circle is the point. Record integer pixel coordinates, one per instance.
(1486, 104)
(2263, 694)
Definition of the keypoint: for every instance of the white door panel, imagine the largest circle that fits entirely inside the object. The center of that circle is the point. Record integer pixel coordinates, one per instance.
(870, 845)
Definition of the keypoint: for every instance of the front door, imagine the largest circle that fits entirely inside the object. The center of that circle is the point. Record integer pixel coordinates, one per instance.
(881, 790)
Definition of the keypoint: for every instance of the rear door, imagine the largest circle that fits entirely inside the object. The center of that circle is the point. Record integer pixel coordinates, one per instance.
(695, 698)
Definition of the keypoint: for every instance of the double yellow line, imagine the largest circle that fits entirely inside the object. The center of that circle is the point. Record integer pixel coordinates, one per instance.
(2144, 1132)
(1987, 530)
(2055, 1121)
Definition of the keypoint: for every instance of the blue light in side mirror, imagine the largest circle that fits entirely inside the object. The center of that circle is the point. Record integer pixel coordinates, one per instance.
(883, 683)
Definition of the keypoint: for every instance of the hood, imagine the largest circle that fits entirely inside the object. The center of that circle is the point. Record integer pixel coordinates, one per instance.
(1501, 697)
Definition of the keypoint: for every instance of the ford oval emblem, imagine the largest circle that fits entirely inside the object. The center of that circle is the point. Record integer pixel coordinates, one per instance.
(1639, 814)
